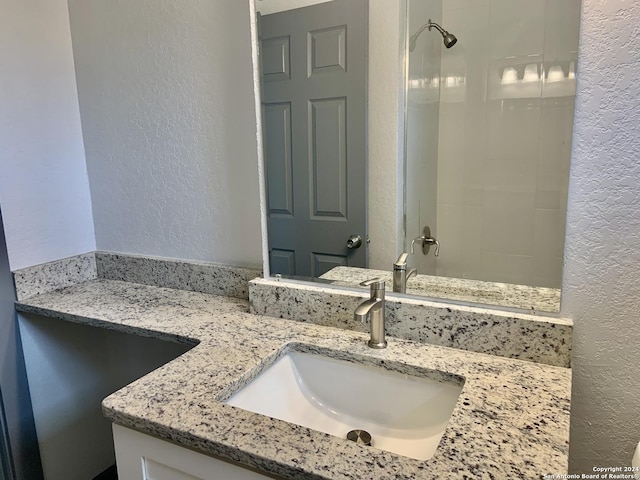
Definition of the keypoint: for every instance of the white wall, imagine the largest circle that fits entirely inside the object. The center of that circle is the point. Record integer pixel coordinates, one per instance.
(168, 116)
(384, 141)
(44, 191)
(601, 291)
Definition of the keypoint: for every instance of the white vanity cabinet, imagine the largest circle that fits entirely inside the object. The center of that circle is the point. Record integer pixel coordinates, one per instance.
(143, 457)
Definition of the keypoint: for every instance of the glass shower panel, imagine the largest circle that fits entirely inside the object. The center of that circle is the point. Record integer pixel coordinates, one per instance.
(422, 126)
(494, 147)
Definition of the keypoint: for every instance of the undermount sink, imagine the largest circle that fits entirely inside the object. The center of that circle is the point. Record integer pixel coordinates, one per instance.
(404, 414)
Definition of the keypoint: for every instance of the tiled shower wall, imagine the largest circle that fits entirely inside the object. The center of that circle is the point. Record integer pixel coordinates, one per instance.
(422, 112)
(505, 122)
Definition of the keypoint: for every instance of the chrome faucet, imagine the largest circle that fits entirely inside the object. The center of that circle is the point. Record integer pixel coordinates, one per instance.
(401, 275)
(374, 308)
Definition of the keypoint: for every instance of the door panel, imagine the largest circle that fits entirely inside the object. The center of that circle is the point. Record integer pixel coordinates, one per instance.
(328, 51)
(275, 59)
(328, 141)
(283, 261)
(323, 263)
(279, 162)
(314, 103)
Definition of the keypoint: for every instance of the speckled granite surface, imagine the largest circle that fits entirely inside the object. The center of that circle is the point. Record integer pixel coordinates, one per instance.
(161, 272)
(526, 337)
(186, 275)
(537, 299)
(511, 420)
(53, 275)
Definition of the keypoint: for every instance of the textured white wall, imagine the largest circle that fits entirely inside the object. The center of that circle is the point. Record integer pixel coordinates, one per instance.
(384, 140)
(601, 291)
(168, 116)
(44, 189)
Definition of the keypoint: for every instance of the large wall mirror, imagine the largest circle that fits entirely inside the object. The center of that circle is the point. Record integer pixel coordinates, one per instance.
(444, 128)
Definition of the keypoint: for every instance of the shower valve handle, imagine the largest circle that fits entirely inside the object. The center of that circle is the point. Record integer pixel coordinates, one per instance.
(426, 241)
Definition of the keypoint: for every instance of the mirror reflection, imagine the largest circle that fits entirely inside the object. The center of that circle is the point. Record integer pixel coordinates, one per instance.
(469, 149)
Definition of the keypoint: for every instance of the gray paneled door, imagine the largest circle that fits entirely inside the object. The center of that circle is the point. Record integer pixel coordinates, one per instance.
(314, 70)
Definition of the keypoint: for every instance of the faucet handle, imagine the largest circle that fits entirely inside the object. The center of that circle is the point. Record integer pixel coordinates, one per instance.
(401, 263)
(374, 283)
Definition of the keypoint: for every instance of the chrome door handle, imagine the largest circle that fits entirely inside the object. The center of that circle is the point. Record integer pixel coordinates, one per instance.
(354, 241)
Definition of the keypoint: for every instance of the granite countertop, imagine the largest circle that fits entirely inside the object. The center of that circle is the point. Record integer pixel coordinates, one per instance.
(536, 299)
(511, 420)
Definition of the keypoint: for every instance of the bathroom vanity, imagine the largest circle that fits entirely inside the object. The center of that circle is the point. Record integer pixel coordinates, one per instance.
(511, 419)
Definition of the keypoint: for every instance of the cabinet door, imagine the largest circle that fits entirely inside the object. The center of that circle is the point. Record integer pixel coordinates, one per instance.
(142, 457)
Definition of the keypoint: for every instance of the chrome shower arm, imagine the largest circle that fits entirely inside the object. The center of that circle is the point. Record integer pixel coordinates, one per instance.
(448, 38)
(414, 37)
(431, 24)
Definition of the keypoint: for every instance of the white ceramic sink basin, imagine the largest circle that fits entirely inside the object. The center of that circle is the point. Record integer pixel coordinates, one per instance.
(404, 414)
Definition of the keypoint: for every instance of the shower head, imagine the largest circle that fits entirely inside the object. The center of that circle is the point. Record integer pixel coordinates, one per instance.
(449, 38)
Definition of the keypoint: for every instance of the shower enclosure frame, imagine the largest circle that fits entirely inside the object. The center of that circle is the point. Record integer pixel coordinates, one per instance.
(404, 68)
(405, 53)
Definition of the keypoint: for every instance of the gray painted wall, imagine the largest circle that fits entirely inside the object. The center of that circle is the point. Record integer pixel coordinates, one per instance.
(6, 467)
(601, 287)
(71, 369)
(14, 390)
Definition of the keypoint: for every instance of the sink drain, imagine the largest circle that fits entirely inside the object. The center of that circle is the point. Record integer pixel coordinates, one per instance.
(359, 436)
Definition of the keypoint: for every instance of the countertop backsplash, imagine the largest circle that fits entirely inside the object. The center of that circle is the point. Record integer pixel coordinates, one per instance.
(203, 277)
(523, 336)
